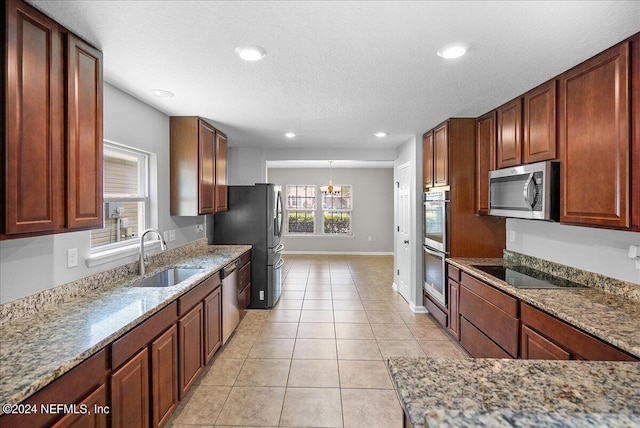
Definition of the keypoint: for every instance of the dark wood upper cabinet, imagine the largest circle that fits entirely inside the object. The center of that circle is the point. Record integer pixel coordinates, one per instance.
(509, 117)
(427, 160)
(485, 158)
(635, 126)
(33, 178)
(84, 135)
(197, 150)
(441, 155)
(52, 117)
(594, 140)
(221, 172)
(540, 123)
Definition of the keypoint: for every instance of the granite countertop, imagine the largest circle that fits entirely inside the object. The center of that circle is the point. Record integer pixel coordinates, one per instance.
(610, 317)
(37, 348)
(496, 393)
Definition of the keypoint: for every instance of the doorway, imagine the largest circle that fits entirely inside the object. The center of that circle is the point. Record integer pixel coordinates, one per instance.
(403, 232)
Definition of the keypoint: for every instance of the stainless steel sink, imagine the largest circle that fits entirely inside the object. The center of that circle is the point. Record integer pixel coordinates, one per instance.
(167, 278)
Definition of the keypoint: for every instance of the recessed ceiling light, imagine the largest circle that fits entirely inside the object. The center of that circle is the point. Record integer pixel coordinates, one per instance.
(380, 134)
(289, 135)
(161, 93)
(251, 53)
(453, 50)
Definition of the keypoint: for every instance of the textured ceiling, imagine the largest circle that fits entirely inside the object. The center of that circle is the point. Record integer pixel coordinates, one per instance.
(336, 72)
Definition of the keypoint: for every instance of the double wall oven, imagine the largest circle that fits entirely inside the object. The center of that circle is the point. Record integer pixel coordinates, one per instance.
(436, 206)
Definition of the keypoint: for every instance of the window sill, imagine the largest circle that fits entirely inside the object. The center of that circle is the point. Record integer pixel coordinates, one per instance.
(287, 235)
(98, 258)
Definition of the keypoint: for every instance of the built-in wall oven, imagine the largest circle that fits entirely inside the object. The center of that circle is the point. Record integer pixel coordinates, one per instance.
(436, 204)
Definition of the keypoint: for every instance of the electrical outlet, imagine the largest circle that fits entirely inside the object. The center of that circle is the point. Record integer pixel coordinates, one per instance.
(72, 257)
(165, 235)
(369, 239)
(172, 235)
(512, 236)
(199, 228)
(261, 294)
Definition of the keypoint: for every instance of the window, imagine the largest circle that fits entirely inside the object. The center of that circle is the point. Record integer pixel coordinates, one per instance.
(301, 206)
(126, 196)
(336, 212)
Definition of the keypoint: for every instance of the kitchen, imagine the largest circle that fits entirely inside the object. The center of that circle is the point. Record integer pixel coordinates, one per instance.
(128, 120)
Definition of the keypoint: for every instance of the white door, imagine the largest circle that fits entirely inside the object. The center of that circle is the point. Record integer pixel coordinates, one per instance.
(403, 231)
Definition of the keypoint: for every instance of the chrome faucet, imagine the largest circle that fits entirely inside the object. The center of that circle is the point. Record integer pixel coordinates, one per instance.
(163, 245)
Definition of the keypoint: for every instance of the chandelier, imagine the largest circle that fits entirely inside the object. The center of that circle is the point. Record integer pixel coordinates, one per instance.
(330, 189)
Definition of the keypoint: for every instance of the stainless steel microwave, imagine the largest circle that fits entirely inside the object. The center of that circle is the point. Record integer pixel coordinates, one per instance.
(528, 191)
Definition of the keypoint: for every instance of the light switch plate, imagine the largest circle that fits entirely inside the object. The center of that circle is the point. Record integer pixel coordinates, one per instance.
(172, 235)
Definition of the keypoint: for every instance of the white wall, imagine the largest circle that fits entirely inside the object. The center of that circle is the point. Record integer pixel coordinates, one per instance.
(596, 250)
(31, 265)
(411, 152)
(246, 166)
(372, 209)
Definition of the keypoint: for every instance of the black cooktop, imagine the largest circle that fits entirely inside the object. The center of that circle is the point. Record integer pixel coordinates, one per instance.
(525, 277)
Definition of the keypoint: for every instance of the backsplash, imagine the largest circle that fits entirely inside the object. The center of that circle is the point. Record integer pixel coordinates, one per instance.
(55, 296)
(618, 287)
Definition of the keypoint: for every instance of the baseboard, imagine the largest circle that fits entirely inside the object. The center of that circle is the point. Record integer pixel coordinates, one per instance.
(418, 309)
(340, 253)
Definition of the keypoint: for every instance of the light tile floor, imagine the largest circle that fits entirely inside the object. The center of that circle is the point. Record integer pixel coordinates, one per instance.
(318, 358)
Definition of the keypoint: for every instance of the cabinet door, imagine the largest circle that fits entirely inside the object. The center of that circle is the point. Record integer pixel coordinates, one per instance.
(221, 172)
(164, 376)
(540, 123)
(190, 348)
(441, 155)
(207, 168)
(454, 312)
(212, 324)
(594, 138)
(84, 135)
(485, 158)
(510, 134)
(96, 403)
(33, 169)
(427, 160)
(536, 347)
(130, 393)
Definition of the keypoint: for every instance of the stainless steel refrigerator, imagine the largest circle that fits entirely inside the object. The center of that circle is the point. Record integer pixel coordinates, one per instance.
(255, 217)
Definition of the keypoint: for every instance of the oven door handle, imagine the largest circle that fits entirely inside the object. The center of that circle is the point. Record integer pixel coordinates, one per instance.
(434, 253)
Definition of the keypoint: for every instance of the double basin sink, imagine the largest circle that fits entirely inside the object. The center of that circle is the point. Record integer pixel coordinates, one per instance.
(167, 277)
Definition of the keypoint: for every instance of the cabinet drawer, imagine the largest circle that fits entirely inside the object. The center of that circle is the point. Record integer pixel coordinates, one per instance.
(435, 311)
(453, 273)
(492, 321)
(477, 344)
(245, 258)
(503, 301)
(536, 347)
(244, 296)
(244, 276)
(579, 344)
(197, 294)
(123, 348)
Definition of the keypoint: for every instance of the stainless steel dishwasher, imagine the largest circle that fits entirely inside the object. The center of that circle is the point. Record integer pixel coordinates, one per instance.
(230, 310)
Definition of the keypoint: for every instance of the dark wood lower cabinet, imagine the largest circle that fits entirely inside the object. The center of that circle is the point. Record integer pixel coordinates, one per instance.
(454, 311)
(190, 334)
(536, 347)
(551, 336)
(97, 406)
(477, 344)
(130, 393)
(212, 324)
(164, 376)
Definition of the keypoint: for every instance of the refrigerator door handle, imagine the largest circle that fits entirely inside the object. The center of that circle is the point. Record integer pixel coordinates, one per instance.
(279, 264)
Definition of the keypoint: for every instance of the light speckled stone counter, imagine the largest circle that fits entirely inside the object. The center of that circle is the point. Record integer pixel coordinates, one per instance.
(37, 347)
(611, 317)
(489, 392)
